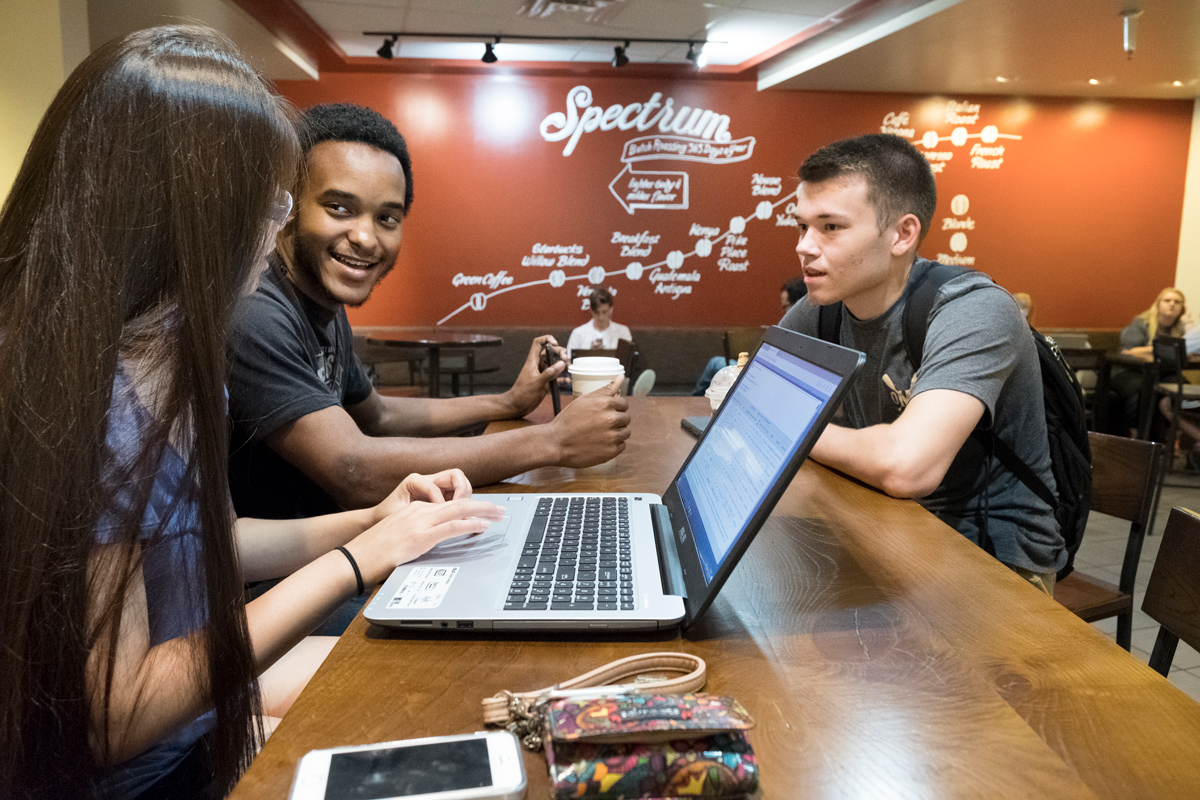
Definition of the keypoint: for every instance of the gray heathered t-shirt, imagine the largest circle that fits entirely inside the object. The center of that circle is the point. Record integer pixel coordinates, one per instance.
(976, 343)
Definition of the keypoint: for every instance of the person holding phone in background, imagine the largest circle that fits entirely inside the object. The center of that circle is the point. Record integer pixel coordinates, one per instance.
(600, 332)
(144, 207)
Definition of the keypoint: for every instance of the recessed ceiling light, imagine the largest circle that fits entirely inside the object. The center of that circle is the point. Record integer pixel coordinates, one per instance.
(1177, 83)
(1001, 79)
(1093, 81)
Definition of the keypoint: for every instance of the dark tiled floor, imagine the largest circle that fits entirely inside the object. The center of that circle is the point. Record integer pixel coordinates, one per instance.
(1101, 553)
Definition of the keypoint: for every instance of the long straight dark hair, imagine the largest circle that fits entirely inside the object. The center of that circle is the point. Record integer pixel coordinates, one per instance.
(132, 227)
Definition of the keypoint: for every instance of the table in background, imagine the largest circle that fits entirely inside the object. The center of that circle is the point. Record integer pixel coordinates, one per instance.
(433, 340)
(881, 653)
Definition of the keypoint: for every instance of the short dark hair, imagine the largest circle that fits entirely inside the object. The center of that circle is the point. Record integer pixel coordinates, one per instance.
(899, 180)
(599, 296)
(347, 122)
(796, 288)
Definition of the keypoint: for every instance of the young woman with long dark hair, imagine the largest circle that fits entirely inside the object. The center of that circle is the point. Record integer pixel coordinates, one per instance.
(142, 210)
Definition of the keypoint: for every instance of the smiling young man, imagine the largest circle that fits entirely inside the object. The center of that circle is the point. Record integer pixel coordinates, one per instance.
(863, 206)
(310, 433)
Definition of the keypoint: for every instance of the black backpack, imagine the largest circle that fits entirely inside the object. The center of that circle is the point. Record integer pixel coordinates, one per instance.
(1066, 422)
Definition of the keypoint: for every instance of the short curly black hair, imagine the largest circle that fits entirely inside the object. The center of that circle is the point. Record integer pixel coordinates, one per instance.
(347, 122)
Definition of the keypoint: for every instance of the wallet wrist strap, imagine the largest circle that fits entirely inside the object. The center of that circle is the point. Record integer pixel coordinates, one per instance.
(519, 709)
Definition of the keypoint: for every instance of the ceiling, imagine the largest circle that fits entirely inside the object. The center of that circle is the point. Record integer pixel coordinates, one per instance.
(1039, 47)
(739, 29)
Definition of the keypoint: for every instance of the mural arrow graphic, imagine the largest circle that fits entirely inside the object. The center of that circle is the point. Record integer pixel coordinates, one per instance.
(651, 189)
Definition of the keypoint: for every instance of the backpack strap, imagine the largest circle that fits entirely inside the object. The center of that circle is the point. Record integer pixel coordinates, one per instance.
(829, 323)
(1017, 466)
(917, 309)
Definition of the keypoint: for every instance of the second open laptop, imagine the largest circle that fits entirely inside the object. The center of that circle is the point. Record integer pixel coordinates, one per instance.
(635, 560)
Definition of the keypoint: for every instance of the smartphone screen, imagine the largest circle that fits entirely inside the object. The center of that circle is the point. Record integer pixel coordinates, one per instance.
(407, 771)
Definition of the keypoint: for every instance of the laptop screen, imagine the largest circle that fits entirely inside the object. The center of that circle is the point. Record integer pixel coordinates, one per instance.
(747, 446)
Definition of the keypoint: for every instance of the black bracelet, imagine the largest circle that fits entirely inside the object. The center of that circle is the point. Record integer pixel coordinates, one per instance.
(357, 575)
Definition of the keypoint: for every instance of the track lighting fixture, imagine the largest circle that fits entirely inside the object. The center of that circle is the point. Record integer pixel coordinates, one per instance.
(619, 57)
(695, 51)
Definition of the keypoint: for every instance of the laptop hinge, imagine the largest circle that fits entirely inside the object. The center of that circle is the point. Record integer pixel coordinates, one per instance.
(668, 557)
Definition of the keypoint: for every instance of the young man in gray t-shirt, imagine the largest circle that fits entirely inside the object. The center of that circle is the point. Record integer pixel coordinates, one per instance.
(863, 207)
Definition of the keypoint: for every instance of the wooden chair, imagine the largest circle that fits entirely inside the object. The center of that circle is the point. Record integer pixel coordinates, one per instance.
(1173, 593)
(1170, 358)
(372, 355)
(1125, 474)
(741, 340)
(459, 364)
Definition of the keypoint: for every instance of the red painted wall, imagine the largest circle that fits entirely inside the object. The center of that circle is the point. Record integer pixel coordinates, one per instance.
(1076, 202)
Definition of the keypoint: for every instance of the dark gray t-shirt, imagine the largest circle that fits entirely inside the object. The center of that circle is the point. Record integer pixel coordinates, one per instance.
(288, 357)
(976, 343)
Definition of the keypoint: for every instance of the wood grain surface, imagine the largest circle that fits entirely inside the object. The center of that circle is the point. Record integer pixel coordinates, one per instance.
(880, 652)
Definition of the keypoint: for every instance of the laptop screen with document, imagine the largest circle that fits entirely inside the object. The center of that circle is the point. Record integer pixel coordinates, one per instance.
(748, 446)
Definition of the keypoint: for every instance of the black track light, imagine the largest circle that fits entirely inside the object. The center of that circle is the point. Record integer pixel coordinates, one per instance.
(385, 50)
(489, 55)
(619, 57)
(692, 53)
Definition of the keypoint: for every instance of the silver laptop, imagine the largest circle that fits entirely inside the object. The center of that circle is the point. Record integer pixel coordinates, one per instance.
(635, 560)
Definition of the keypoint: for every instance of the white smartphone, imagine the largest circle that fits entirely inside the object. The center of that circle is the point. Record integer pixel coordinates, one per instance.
(474, 766)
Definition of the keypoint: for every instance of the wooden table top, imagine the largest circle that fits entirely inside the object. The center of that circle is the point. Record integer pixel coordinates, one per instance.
(881, 653)
(428, 337)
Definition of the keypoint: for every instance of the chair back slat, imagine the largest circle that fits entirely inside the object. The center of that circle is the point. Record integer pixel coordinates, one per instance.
(597, 353)
(741, 340)
(1173, 593)
(1124, 474)
(1125, 479)
(1170, 356)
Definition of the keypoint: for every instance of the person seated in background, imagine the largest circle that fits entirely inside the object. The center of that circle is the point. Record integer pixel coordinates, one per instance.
(863, 207)
(132, 667)
(1025, 303)
(1166, 317)
(310, 433)
(789, 294)
(600, 332)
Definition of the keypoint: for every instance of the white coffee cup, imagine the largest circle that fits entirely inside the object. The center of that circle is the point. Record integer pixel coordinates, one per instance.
(593, 372)
(716, 396)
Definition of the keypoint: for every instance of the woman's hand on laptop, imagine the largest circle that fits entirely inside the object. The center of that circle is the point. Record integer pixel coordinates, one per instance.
(414, 529)
(450, 484)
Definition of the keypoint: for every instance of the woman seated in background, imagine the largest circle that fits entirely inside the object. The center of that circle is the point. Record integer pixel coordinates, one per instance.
(149, 196)
(1167, 317)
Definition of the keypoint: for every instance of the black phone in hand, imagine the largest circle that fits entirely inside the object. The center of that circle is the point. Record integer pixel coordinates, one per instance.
(552, 358)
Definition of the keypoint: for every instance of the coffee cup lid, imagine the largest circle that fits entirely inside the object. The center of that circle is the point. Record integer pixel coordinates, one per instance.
(586, 366)
(596, 362)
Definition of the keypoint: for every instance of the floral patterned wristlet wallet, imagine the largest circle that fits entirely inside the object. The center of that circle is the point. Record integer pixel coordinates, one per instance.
(649, 746)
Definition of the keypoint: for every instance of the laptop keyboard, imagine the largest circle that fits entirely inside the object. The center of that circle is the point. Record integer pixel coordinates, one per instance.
(577, 557)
